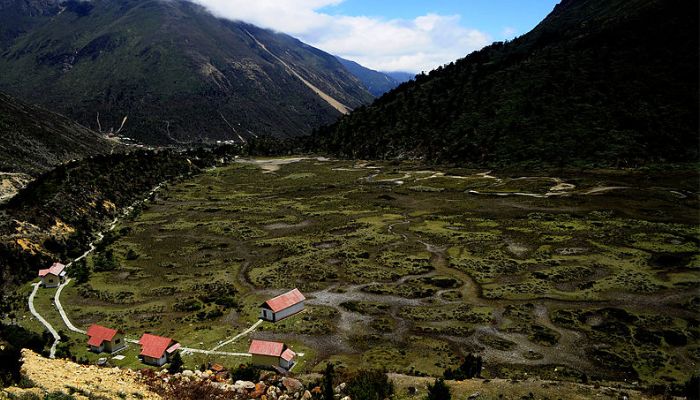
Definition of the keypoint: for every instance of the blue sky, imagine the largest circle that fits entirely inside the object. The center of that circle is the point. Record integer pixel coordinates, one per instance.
(491, 16)
(391, 35)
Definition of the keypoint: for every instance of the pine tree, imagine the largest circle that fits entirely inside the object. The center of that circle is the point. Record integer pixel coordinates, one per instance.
(175, 364)
(328, 376)
(439, 390)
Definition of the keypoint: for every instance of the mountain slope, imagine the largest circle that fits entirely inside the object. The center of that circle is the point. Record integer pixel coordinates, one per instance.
(611, 82)
(376, 82)
(33, 140)
(178, 73)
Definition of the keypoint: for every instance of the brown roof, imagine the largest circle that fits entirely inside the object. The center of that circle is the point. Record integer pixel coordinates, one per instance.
(99, 334)
(284, 300)
(265, 348)
(155, 346)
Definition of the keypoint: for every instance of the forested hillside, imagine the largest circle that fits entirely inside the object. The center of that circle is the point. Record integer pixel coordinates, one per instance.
(376, 82)
(176, 72)
(598, 82)
(32, 139)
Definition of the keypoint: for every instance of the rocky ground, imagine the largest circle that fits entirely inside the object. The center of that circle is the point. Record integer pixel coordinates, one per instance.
(44, 376)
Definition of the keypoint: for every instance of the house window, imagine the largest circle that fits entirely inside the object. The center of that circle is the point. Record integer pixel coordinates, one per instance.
(117, 341)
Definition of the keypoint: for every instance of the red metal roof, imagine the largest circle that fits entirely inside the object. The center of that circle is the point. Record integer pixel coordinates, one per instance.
(154, 346)
(288, 355)
(286, 300)
(54, 269)
(99, 334)
(265, 348)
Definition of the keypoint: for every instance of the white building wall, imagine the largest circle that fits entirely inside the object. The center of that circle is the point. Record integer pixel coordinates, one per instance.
(289, 311)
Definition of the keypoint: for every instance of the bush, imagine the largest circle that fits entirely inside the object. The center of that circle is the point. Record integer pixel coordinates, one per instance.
(470, 368)
(175, 364)
(105, 262)
(370, 385)
(245, 372)
(79, 271)
(328, 376)
(439, 390)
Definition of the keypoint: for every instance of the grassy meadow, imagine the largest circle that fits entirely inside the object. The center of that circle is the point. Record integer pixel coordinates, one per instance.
(411, 269)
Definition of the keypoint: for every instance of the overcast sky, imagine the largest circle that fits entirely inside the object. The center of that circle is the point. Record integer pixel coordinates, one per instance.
(391, 35)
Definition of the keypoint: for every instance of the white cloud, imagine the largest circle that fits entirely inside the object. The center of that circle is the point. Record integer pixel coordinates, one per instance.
(420, 44)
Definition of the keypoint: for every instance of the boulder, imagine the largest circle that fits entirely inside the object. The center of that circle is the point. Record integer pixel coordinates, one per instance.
(292, 385)
(188, 373)
(244, 385)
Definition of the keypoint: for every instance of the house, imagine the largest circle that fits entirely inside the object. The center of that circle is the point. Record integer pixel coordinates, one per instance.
(282, 306)
(271, 354)
(53, 276)
(157, 350)
(105, 339)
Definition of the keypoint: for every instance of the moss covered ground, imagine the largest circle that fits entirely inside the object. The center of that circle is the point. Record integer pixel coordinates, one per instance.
(563, 275)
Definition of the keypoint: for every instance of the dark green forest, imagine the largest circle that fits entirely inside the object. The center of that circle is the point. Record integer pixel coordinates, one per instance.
(180, 74)
(597, 83)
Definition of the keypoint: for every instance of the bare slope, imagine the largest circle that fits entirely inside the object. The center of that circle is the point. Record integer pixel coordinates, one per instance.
(33, 140)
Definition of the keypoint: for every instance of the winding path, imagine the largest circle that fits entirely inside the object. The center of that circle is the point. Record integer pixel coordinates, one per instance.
(233, 339)
(59, 307)
(56, 336)
(72, 327)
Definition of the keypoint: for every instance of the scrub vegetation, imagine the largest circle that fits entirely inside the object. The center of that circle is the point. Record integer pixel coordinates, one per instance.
(577, 276)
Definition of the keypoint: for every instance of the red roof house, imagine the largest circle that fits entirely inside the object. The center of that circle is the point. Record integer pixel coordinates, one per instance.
(282, 306)
(102, 339)
(53, 276)
(271, 354)
(157, 350)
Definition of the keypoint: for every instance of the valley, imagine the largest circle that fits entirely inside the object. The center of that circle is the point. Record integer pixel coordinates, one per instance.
(409, 268)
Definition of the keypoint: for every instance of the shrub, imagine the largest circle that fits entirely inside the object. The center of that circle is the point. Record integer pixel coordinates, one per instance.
(245, 372)
(370, 385)
(328, 376)
(175, 364)
(439, 390)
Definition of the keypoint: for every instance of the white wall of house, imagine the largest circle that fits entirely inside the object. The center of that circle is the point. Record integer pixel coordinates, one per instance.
(285, 364)
(155, 361)
(51, 281)
(282, 314)
(96, 349)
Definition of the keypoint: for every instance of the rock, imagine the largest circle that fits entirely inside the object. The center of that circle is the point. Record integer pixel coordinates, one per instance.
(266, 375)
(273, 392)
(188, 373)
(306, 395)
(346, 398)
(261, 387)
(340, 388)
(244, 385)
(283, 397)
(292, 385)
(474, 396)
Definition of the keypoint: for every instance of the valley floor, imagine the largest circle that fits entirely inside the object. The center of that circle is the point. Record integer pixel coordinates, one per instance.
(566, 277)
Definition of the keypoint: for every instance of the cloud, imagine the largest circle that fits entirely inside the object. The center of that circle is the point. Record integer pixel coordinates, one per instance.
(415, 45)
